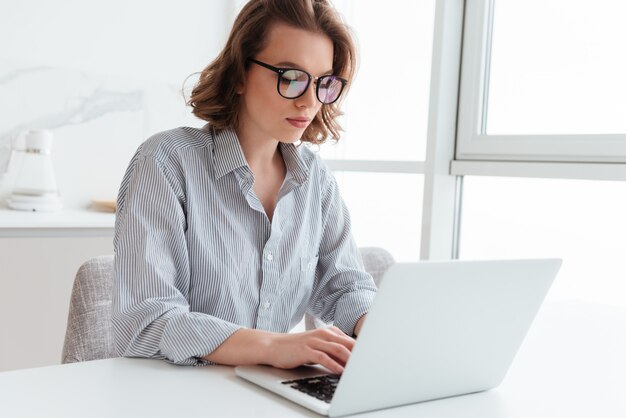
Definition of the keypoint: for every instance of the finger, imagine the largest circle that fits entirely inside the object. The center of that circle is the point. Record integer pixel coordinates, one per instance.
(325, 360)
(340, 332)
(337, 330)
(339, 337)
(337, 351)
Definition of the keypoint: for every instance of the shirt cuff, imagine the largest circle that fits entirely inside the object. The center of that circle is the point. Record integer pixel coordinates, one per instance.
(189, 336)
(351, 307)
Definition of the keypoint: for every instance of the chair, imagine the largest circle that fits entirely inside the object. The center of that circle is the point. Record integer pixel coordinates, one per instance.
(89, 334)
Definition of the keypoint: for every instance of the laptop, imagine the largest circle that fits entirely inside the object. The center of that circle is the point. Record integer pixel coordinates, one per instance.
(436, 329)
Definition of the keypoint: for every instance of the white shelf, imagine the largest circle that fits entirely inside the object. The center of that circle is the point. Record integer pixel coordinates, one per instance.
(70, 222)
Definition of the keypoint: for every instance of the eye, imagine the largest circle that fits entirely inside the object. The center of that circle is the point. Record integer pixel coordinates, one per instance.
(294, 75)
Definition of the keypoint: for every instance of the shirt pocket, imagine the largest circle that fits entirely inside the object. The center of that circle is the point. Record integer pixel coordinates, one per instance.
(299, 279)
(308, 266)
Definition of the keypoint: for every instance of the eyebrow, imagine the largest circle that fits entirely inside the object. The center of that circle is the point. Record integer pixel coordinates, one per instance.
(294, 65)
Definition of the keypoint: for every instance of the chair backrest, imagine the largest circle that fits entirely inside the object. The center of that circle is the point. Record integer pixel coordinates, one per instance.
(89, 334)
(376, 261)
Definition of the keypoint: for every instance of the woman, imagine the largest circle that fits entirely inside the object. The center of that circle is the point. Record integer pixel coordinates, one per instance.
(227, 235)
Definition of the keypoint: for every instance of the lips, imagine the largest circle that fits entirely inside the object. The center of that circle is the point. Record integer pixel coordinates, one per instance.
(299, 122)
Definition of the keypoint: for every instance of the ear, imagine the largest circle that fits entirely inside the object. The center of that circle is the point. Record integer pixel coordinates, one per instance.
(240, 88)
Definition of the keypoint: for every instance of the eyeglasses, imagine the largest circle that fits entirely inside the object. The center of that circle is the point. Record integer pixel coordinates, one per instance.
(292, 83)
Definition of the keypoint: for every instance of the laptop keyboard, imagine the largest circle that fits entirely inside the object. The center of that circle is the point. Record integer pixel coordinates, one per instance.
(320, 387)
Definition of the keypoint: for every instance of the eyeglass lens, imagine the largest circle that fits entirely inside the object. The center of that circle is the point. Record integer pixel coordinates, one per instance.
(293, 83)
(328, 88)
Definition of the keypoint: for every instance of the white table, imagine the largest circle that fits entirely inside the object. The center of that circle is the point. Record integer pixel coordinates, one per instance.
(573, 364)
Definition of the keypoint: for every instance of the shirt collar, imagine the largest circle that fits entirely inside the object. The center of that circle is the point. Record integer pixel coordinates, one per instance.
(294, 162)
(228, 153)
(229, 156)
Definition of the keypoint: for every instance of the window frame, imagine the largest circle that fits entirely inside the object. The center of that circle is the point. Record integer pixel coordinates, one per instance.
(474, 144)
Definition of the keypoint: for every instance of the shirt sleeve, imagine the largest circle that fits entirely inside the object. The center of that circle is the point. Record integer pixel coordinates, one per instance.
(151, 315)
(344, 291)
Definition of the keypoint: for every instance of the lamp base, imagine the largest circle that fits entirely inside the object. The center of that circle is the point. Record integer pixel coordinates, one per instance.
(35, 203)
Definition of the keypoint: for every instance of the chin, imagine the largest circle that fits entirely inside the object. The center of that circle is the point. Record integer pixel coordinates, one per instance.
(290, 137)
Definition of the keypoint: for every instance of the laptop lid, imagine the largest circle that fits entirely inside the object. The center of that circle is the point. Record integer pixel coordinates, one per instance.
(439, 329)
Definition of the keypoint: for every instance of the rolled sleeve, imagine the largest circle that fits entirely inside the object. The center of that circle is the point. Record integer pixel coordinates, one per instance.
(189, 336)
(351, 307)
(344, 291)
(151, 315)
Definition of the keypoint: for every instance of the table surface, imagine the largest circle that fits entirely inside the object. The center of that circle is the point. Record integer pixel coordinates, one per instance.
(66, 222)
(66, 218)
(572, 364)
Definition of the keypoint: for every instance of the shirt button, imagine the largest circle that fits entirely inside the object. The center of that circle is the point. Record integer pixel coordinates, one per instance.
(266, 305)
(270, 256)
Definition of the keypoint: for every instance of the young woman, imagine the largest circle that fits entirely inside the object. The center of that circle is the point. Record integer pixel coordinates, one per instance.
(227, 235)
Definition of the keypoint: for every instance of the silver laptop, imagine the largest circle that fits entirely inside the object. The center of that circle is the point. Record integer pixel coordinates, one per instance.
(436, 329)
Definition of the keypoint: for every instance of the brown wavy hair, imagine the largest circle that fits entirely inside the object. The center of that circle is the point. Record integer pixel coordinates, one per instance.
(214, 97)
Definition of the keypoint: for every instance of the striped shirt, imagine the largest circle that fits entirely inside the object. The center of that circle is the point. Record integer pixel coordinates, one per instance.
(196, 257)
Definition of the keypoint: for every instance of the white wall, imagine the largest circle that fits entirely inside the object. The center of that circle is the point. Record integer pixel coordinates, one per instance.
(103, 76)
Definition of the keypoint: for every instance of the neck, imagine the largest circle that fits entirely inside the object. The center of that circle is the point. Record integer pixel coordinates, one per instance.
(261, 154)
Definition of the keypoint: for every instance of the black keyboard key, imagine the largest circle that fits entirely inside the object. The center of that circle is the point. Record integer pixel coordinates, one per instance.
(320, 387)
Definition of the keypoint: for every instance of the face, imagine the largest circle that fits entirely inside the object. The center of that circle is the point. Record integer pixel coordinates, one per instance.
(266, 115)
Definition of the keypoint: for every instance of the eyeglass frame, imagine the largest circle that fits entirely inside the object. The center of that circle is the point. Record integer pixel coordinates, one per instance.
(281, 70)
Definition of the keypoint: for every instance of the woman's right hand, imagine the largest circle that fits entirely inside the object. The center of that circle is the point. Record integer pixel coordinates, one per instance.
(329, 347)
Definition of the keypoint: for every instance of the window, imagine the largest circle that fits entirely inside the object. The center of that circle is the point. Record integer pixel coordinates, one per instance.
(580, 221)
(386, 210)
(541, 140)
(542, 80)
(563, 76)
(379, 160)
(387, 107)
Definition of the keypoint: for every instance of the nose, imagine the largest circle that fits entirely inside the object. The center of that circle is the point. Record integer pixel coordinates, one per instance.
(308, 99)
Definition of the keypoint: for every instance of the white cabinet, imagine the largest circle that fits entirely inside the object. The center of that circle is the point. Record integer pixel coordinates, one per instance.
(39, 256)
